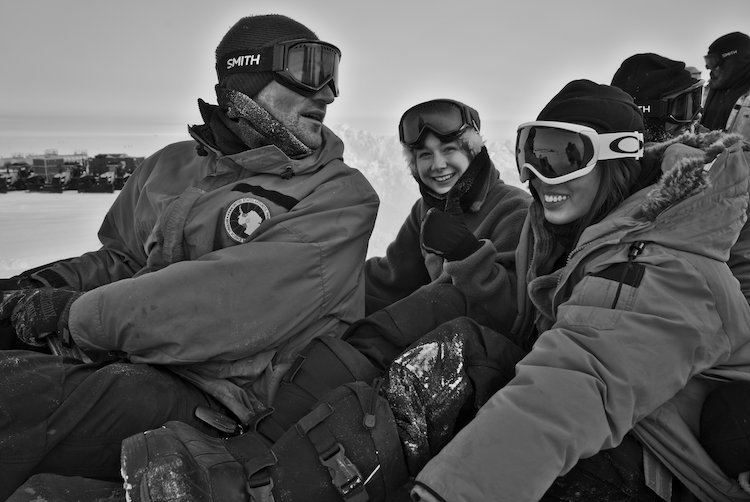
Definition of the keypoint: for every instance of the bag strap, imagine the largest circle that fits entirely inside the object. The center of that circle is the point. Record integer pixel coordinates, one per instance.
(345, 476)
(256, 458)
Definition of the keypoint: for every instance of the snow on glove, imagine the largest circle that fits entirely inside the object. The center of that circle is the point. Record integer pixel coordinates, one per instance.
(41, 312)
(448, 236)
(9, 303)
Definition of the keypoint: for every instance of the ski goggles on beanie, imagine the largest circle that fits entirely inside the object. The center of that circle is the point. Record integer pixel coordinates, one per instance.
(681, 107)
(304, 65)
(444, 117)
(557, 152)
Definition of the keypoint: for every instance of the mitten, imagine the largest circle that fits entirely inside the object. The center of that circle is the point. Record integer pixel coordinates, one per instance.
(41, 312)
(448, 236)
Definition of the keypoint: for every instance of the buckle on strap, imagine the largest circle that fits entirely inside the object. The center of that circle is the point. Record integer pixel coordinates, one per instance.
(344, 474)
(259, 487)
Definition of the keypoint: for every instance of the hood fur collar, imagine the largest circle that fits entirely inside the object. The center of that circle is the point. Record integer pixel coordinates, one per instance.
(683, 160)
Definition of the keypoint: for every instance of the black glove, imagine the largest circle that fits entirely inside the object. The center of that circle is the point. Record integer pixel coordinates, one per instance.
(446, 235)
(37, 313)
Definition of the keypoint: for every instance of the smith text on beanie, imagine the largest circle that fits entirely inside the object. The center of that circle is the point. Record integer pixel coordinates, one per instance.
(602, 107)
(252, 33)
(731, 44)
(650, 76)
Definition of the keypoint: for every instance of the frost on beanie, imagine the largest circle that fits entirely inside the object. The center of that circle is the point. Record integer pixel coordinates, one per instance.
(650, 76)
(252, 33)
(602, 107)
(731, 44)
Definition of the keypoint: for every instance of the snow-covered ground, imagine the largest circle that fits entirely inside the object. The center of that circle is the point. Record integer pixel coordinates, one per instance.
(39, 227)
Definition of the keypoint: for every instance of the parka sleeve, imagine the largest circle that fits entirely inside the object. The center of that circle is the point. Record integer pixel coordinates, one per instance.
(235, 302)
(590, 378)
(402, 270)
(488, 276)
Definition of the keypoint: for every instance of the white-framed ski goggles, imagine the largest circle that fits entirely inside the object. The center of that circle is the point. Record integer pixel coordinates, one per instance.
(557, 152)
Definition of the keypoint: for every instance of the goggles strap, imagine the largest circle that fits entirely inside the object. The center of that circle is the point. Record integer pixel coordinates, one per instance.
(618, 145)
(248, 61)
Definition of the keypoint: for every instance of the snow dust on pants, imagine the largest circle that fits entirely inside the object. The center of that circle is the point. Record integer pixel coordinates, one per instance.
(64, 417)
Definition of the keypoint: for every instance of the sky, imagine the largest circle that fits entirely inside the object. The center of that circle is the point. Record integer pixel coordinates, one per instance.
(73, 70)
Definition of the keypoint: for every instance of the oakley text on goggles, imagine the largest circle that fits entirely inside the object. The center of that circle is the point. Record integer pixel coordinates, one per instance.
(678, 108)
(557, 152)
(444, 117)
(308, 65)
(714, 60)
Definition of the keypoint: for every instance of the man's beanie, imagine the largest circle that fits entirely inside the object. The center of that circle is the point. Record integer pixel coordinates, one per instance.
(602, 107)
(650, 76)
(257, 32)
(727, 45)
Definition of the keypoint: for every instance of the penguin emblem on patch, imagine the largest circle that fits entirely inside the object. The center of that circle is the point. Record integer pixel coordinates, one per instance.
(243, 217)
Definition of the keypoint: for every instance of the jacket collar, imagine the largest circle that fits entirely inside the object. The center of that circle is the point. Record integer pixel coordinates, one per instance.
(269, 159)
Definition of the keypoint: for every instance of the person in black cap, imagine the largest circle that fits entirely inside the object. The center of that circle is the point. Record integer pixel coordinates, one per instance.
(630, 310)
(727, 105)
(221, 258)
(669, 96)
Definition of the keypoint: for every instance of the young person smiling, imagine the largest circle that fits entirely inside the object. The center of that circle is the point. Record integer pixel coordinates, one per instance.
(454, 254)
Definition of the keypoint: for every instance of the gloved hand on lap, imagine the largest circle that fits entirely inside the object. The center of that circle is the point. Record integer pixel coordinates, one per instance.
(37, 313)
(448, 236)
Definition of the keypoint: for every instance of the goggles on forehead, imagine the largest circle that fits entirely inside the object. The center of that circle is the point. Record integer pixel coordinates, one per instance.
(557, 152)
(680, 107)
(307, 65)
(444, 117)
(714, 60)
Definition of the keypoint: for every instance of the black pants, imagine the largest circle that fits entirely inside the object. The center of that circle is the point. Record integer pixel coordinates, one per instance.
(62, 417)
(614, 475)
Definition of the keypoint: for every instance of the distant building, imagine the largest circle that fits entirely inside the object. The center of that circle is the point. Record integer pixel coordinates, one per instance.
(39, 171)
(119, 164)
(52, 164)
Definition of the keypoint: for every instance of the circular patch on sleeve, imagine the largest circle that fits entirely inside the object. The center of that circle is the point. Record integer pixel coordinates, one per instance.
(243, 217)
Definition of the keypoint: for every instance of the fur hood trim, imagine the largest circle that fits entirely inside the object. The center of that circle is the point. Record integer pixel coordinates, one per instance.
(688, 172)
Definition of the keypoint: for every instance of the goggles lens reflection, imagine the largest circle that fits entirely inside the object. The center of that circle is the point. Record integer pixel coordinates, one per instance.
(685, 107)
(551, 152)
(312, 65)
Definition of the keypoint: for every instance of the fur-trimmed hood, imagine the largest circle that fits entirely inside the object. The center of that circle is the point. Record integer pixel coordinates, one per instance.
(699, 204)
(685, 162)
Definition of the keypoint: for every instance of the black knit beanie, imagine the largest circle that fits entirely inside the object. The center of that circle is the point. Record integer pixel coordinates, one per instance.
(650, 76)
(601, 107)
(252, 33)
(731, 44)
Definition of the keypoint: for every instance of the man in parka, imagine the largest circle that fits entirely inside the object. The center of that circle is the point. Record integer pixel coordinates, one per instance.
(221, 258)
(727, 105)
